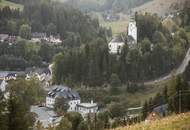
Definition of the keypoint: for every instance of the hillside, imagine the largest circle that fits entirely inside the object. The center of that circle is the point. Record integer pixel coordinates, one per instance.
(161, 7)
(176, 122)
(12, 5)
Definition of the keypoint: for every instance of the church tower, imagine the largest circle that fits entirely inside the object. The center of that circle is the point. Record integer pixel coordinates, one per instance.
(132, 29)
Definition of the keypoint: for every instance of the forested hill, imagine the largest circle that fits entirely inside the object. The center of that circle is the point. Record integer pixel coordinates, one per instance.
(47, 16)
(51, 18)
(105, 5)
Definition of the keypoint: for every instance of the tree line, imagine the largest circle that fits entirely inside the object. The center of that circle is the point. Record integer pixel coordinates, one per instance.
(157, 53)
(176, 95)
(52, 18)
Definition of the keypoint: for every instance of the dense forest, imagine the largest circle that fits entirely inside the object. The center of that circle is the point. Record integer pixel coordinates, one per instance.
(159, 50)
(105, 5)
(52, 18)
(47, 16)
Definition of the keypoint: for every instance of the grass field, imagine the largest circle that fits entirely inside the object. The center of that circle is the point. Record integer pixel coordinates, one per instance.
(12, 5)
(117, 26)
(175, 122)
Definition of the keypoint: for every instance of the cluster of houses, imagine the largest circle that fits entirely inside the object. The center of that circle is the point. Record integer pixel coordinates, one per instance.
(73, 98)
(36, 37)
(45, 113)
(42, 37)
(7, 38)
(116, 44)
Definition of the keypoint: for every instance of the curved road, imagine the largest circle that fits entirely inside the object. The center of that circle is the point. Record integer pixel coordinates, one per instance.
(179, 70)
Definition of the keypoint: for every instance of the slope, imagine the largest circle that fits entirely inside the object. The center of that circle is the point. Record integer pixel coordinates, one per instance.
(12, 5)
(161, 7)
(175, 122)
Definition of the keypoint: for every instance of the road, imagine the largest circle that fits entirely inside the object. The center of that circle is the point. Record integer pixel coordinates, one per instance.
(178, 71)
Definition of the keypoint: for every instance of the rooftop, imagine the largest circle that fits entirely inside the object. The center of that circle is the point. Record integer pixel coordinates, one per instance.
(87, 105)
(63, 91)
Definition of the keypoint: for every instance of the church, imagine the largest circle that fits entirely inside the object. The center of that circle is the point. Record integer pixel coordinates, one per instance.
(116, 44)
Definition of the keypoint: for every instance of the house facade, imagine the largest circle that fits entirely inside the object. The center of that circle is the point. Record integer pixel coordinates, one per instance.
(87, 108)
(71, 96)
(115, 46)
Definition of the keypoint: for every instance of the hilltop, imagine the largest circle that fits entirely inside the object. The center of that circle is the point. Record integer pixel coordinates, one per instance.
(160, 7)
(175, 122)
(12, 5)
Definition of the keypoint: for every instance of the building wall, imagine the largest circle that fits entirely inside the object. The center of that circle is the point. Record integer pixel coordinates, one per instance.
(50, 102)
(115, 47)
(72, 105)
(85, 111)
(3, 85)
(132, 30)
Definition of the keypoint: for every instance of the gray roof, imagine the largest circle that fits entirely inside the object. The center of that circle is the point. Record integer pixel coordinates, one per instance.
(161, 109)
(63, 91)
(11, 75)
(87, 105)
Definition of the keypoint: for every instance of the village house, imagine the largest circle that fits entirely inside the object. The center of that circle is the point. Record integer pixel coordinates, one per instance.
(71, 96)
(43, 75)
(87, 108)
(42, 37)
(73, 99)
(3, 37)
(10, 76)
(116, 45)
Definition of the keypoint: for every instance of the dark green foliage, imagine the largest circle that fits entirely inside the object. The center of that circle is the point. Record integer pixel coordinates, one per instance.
(65, 124)
(179, 90)
(83, 126)
(25, 31)
(104, 117)
(93, 65)
(19, 116)
(16, 117)
(61, 105)
(145, 110)
(185, 15)
(29, 92)
(115, 83)
(117, 110)
(3, 114)
(25, 54)
(15, 111)
(76, 119)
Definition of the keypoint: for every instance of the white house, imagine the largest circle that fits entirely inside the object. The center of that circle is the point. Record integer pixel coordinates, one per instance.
(87, 108)
(10, 76)
(3, 84)
(115, 46)
(71, 96)
(3, 37)
(132, 29)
